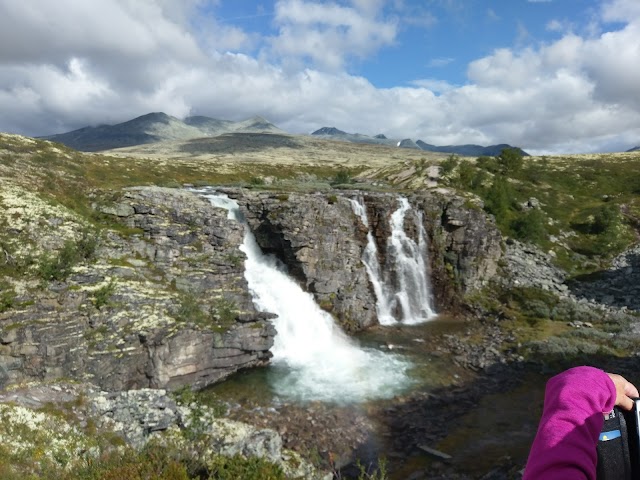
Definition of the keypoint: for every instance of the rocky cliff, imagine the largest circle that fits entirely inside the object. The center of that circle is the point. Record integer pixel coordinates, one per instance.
(163, 304)
(321, 240)
(163, 301)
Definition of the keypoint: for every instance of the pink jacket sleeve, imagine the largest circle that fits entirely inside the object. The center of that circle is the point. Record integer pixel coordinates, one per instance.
(565, 445)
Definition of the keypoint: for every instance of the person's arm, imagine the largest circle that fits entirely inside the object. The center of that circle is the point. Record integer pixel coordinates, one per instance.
(572, 418)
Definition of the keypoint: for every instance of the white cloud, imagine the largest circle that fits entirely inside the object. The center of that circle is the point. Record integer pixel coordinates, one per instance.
(555, 26)
(43, 31)
(328, 33)
(621, 11)
(434, 85)
(60, 71)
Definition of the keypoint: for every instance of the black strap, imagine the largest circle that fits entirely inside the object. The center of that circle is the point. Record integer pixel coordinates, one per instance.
(613, 449)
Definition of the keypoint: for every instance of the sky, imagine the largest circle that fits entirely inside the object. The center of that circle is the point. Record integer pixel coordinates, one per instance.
(550, 76)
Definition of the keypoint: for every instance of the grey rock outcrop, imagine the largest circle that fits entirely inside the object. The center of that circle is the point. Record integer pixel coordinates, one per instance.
(178, 310)
(528, 266)
(466, 245)
(139, 416)
(618, 286)
(320, 239)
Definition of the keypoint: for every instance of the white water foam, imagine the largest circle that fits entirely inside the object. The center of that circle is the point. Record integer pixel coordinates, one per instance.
(316, 360)
(403, 292)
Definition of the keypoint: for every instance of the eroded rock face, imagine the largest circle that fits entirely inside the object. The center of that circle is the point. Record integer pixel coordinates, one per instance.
(465, 247)
(178, 310)
(321, 240)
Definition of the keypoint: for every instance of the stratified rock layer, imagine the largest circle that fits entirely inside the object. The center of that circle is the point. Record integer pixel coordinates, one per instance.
(180, 312)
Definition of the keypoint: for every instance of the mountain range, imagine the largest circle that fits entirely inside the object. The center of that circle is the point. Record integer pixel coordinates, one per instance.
(156, 127)
(160, 127)
(463, 150)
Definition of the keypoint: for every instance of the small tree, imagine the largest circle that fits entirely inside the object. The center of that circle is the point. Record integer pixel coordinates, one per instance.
(466, 173)
(490, 164)
(529, 226)
(498, 198)
(342, 177)
(449, 165)
(510, 160)
(605, 219)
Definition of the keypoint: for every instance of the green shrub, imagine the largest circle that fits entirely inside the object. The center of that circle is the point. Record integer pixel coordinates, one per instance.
(102, 295)
(560, 348)
(499, 197)
(510, 160)
(607, 218)
(239, 467)
(59, 266)
(342, 177)
(529, 226)
(490, 164)
(7, 296)
(449, 164)
(189, 309)
(466, 174)
(224, 311)
(529, 301)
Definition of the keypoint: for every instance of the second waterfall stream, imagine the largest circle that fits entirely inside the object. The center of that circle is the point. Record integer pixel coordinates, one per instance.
(312, 358)
(403, 291)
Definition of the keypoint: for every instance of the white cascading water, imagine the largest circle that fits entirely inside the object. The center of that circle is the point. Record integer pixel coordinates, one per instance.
(403, 289)
(316, 359)
(371, 264)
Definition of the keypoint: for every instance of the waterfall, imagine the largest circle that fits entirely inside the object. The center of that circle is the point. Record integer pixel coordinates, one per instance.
(402, 290)
(371, 264)
(313, 358)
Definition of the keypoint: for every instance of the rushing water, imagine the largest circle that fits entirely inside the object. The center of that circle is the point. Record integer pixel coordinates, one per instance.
(312, 358)
(402, 289)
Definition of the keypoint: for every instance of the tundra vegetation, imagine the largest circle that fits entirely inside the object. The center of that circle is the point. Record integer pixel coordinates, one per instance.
(583, 209)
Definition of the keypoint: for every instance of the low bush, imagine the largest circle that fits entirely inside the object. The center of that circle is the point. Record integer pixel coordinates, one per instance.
(7, 296)
(102, 295)
(189, 309)
(342, 177)
(448, 165)
(529, 226)
(59, 266)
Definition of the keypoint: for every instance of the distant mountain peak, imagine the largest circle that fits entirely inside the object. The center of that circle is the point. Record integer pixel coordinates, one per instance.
(154, 117)
(408, 143)
(469, 150)
(256, 124)
(157, 127)
(634, 149)
(381, 136)
(329, 131)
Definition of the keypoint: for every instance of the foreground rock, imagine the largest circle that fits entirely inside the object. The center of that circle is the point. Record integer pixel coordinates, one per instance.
(79, 421)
